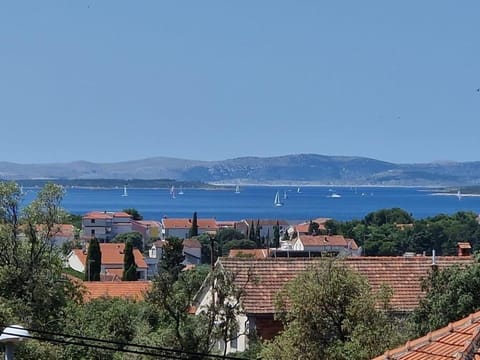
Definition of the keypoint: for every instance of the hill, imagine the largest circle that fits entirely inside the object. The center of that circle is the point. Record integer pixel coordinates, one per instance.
(288, 169)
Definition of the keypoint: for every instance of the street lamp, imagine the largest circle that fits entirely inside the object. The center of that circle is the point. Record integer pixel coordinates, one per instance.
(10, 336)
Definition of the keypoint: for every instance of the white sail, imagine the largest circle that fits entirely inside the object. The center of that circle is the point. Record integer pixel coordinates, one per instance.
(180, 192)
(277, 201)
(237, 189)
(125, 190)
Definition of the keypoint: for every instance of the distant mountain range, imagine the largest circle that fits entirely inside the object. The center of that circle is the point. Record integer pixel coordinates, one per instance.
(288, 169)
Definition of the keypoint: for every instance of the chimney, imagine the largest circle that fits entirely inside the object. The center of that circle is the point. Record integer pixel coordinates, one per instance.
(434, 264)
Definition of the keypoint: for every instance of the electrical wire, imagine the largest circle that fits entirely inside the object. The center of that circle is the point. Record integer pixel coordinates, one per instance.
(174, 354)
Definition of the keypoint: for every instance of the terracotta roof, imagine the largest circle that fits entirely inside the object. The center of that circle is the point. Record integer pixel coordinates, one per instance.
(458, 340)
(169, 223)
(151, 223)
(121, 214)
(252, 253)
(134, 290)
(100, 215)
(112, 254)
(402, 274)
(323, 240)
(303, 227)
(192, 244)
(267, 222)
(464, 245)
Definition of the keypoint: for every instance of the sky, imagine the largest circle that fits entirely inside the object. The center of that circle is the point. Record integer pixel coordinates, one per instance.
(109, 81)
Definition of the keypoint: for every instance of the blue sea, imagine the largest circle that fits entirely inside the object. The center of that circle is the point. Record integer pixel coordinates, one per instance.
(257, 202)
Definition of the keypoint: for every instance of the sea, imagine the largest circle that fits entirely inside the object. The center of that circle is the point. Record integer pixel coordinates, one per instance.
(257, 202)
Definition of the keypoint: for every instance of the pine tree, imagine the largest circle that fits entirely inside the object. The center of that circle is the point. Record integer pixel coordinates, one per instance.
(94, 261)
(258, 238)
(251, 232)
(194, 229)
(129, 266)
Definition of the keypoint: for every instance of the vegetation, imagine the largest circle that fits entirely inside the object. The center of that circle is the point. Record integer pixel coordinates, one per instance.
(93, 263)
(172, 258)
(194, 228)
(129, 266)
(393, 232)
(134, 213)
(134, 237)
(331, 315)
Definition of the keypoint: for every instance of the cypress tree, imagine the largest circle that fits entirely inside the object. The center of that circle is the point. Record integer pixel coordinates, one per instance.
(251, 232)
(93, 263)
(276, 235)
(172, 257)
(258, 238)
(129, 266)
(194, 228)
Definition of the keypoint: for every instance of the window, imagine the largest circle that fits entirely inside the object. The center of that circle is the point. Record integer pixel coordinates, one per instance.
(92, 221)
(92, 231)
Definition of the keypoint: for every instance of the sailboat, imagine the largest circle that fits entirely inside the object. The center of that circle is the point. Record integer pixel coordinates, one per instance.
(180, 192)
(298, 190)
(237, 189)
(172, 190)
(459, 195)
(284, 195)
(125, 190)
(277, 201)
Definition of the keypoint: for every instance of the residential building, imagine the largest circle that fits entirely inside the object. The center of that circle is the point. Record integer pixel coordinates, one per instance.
(180, 227)
(326, 244)
(105, 225)
(303, 228)
(112, 260)
(402, 274)
(149, 229)
(133, 290)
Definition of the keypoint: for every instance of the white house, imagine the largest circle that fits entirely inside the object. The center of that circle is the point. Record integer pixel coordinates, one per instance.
(180, 227)
(326, 244)
(105, 225)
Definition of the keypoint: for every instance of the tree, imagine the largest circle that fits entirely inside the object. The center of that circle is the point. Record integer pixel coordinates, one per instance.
(258, 238)
(32, 289)
(451, 294)
(134, 237)
(329, 313)
(94, 261)
(172, 257)
(313, 228)
(194, 228)
(252, 235)
(134, 213)
(129, 266)
(276, 235)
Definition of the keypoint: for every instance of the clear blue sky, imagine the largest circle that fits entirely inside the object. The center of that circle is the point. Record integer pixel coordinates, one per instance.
(121, 80)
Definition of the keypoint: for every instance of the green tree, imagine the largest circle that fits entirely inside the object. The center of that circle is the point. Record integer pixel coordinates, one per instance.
(134, 237)
(194, 228)
(129, 266)
(276, 235)
(93, 264)
(237, 244)
(388, 216)
(329, 312)
(172, 257)
(252, 234)
(32, 289)
(313, 228)
(258, 238)
(134, 213)
(451, 294)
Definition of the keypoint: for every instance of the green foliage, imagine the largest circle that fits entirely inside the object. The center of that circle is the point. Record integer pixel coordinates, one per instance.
(129, 266)
(194, 228)
(228, 234)
(452, 293)
(313, 228)
(172, 257)
(134, 213)
(93, 264)
(388, 216)
(133, 237)
(276, 235)
(30, 265)
(331, 315)
(237, 244)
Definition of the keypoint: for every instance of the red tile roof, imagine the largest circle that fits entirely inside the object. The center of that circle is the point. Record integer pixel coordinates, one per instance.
(402, 274)
(323, 240)
(169, 223)
(121, 214)
(458, 340)
(134, 290)
(112, 254)
(464, 245)
(100, 215)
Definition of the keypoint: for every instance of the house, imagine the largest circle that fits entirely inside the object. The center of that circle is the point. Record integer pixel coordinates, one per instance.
(192, 250)
(402, 274)
(58, 234)
(133, 290)
(149, 229)
(326, 244)
(458, 340)
(180, 227)
(303, 228)
(112, 260)
(105, 225)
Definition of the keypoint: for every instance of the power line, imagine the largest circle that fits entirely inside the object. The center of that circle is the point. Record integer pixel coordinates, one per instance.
(173, 352)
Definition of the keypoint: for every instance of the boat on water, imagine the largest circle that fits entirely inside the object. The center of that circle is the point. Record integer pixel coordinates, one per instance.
(277, 201)
(180, 192)
(459, 195)
(125, 190)
(335, 195)
(299, 190)
(237, 189)
(284, 195)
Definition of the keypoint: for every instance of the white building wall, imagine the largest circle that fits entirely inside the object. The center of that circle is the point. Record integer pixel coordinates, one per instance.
(75, 263)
